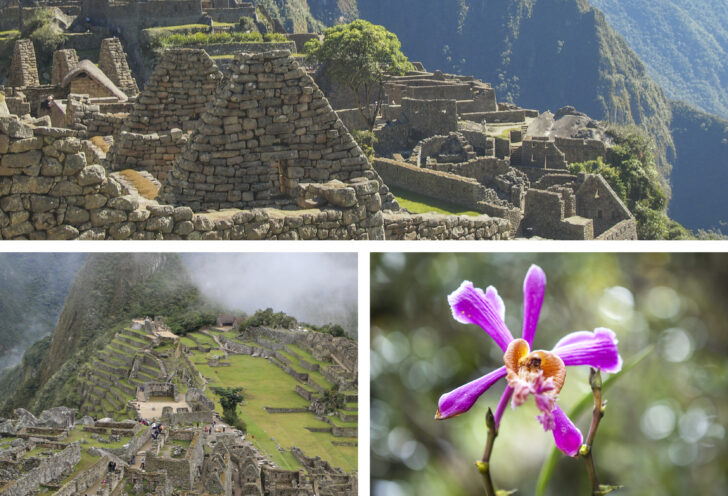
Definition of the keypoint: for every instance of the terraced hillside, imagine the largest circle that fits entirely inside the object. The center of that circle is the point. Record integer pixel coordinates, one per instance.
(281, 381)
(285, 387)
(111, 378)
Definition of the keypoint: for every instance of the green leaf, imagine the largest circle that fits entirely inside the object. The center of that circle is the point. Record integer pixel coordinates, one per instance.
(549, 465)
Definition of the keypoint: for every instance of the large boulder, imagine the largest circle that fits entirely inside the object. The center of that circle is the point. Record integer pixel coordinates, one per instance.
(60, 417)
(25, 418)
(7, 427)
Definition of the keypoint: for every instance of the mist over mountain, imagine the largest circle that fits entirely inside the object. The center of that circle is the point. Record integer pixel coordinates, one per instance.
(34, 287)
(317, 288)
(108, 290)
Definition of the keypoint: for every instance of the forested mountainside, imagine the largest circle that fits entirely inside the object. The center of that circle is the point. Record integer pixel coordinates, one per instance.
(699, 176)
(110, 289)
(33, 289)
(300, 16)
(683, 43)
(541, 54)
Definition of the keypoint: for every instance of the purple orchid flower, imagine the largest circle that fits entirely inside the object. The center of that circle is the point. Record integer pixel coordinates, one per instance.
(539, 373)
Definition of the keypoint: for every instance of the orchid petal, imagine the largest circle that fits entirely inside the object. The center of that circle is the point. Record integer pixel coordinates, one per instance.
(460, 400)
(597, 349)
(471, 306)
(534, 286)
(505, 398)
(567, 436)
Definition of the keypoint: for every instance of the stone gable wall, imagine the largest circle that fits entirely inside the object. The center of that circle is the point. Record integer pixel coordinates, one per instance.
(63, 62)
(269, 130)
(113, 63)
(182, 83)
(23, 68)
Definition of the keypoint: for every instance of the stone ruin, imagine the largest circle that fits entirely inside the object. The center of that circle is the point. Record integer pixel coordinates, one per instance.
(260, 154)
(268, 136)
(446, 137)
(107, 88)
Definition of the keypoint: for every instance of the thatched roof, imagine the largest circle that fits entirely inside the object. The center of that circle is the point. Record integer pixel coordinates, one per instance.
(88, 67)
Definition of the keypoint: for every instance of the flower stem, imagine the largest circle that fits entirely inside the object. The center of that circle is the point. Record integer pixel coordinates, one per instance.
(484, 464)
(595, 380)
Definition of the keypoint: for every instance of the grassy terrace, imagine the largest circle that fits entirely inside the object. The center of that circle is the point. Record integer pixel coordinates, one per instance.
(420, 204)
(267, 385)
(306, 355)
(315, 376)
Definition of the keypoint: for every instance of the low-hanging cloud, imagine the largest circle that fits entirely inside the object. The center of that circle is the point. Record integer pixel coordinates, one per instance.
(317, 288)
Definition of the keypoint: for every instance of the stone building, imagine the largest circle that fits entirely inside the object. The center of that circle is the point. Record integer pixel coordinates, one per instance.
(87, 79)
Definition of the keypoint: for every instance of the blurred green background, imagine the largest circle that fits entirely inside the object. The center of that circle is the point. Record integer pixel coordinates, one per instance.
(663, 431)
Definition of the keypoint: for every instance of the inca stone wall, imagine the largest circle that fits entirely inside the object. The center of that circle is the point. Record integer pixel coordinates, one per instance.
(457, 190)
(84, 480)
(154, 153)
(176, 94)
(23, 68)
(542, 153)
(268, 134)
(49, 468)
(52, 186)
(113, 63)
(63, 62)
(404, 226)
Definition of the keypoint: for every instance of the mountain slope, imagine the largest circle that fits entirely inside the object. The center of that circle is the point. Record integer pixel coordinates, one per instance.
(108, 291)
(701, 168)
(541, 54)
(33, 289)
(683, 43)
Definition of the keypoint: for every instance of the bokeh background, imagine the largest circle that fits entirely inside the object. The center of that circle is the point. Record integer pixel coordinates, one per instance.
(663, 431)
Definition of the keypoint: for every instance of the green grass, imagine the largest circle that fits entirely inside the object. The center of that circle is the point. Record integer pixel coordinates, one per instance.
(266, 385)
(420, 204)
(306, 355)
(203, 339)
(9, 35)
(505, 133)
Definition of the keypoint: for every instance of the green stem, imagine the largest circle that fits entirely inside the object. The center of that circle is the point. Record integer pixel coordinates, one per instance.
(484, 464)
(595, 380)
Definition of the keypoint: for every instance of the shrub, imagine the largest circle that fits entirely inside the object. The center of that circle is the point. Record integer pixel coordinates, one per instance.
(247, 24)
(275, 38)
(365, 140)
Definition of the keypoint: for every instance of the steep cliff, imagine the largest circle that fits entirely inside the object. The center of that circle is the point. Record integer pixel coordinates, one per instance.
(109, 290)
(683, 43)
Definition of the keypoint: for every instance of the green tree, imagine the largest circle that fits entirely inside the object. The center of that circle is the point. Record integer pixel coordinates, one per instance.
(632, 173)
(333, 399)
(230, 398)
(360, 55)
